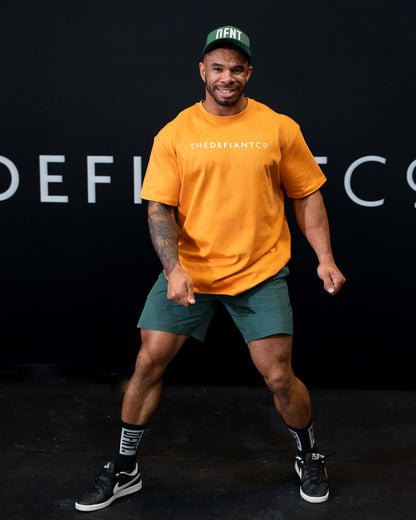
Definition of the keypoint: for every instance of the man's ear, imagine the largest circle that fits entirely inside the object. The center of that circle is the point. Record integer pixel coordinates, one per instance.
(202, 70)
(249, 71)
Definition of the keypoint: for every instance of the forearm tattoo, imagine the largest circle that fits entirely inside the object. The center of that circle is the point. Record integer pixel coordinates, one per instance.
(164, 234)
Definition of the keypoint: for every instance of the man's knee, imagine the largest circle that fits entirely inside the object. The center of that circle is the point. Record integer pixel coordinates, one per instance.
(146, 362)
(273, 358)
(280, 380)
(157, 351)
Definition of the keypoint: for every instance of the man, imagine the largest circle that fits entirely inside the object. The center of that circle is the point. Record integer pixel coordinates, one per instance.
(215, 183)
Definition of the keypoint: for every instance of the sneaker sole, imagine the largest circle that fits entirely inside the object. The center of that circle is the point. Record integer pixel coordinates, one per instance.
(122, 493)
(311, 500)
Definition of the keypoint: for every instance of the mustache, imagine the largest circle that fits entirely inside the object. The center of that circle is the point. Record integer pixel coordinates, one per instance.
(233, 85)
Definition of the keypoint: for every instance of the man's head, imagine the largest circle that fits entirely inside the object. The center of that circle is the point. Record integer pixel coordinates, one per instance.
(225, 70)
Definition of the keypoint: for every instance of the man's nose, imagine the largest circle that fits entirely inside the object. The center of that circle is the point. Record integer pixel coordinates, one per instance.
(227, 76)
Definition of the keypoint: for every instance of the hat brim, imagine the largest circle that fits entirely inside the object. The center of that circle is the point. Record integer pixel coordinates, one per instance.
(220, 42)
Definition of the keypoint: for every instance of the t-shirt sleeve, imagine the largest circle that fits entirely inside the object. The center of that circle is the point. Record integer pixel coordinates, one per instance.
(300, 173)
(162, 181)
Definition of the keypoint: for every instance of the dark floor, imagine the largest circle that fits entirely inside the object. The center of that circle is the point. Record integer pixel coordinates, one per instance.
(210, 453)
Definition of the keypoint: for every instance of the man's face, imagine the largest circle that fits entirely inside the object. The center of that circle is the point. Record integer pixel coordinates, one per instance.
(225, 74)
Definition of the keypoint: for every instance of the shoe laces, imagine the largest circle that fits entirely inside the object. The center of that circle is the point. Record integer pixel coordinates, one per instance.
(314, 468)
(103, 479)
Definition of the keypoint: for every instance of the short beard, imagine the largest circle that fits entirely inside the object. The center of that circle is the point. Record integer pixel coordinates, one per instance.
(226, 102)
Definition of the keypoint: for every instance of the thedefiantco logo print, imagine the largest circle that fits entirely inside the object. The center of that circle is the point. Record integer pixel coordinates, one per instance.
(229, 145)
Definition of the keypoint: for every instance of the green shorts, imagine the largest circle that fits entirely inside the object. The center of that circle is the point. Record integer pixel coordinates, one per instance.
(259, 312)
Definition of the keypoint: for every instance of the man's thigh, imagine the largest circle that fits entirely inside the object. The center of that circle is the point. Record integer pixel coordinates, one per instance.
(273, 354)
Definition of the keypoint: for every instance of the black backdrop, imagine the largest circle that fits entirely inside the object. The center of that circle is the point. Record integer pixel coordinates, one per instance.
(98, 78)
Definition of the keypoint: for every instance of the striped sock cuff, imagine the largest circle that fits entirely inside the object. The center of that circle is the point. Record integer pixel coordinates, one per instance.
(130, 438)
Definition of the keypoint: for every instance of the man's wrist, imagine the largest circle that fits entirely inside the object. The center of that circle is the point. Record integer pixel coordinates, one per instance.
(325, 258)
(172, 266)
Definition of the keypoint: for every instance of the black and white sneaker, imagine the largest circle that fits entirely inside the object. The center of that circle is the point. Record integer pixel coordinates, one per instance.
(108, 486)
(313, 476)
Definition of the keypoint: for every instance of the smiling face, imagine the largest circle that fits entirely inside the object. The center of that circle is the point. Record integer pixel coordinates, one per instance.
(225, 73)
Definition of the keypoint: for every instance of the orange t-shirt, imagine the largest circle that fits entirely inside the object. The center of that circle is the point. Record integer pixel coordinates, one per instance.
(227, 176)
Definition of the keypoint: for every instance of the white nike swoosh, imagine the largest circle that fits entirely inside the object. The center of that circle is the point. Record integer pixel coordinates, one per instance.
(118, 488)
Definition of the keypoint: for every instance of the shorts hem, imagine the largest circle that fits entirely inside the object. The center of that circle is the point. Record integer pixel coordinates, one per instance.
(266, 333)
(158, 328)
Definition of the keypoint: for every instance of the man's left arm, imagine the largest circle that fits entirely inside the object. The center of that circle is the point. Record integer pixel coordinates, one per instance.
(312, 219)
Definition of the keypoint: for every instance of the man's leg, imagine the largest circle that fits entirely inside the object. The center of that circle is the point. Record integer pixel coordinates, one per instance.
(141, 399)
(143, 392)
(273, 358)
(144, 388)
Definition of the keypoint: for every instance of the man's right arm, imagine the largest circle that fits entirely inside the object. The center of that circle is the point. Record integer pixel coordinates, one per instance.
(164, 234)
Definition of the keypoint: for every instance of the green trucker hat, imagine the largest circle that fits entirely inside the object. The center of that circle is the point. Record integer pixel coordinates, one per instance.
(230, 34)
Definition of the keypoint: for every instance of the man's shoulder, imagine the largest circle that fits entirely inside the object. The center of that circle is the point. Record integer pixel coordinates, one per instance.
(185, 114)
(267, 111)
(180, 119)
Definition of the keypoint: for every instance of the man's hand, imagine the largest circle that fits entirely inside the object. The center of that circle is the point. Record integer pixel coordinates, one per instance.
(331, 276)
(312, 219)
(180, 287)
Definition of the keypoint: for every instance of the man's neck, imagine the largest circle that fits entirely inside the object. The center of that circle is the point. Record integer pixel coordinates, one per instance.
(220, 110)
